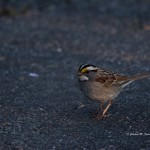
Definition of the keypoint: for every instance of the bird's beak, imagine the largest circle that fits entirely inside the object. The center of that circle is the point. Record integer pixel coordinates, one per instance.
(79, 74)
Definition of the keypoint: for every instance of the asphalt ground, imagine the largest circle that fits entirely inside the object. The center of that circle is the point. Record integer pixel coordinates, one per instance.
(41, 106)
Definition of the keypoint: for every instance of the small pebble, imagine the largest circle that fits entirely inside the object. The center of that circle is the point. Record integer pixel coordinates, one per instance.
(34, 75)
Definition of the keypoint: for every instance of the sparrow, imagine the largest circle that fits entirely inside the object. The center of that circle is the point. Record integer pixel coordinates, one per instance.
(103, 86)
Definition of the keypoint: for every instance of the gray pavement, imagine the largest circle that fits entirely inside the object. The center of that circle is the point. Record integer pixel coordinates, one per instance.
(40, 102)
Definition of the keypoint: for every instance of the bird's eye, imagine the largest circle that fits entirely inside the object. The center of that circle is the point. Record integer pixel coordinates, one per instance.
(87, 71)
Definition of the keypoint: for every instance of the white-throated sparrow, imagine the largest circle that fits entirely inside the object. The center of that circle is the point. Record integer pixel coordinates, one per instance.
(102, 85)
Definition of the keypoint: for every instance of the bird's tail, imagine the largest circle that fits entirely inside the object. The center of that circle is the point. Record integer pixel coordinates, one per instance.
(139, 76)
(134, 78)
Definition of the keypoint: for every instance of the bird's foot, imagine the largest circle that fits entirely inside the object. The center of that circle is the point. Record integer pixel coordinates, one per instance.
(95, 114)
(100, 116)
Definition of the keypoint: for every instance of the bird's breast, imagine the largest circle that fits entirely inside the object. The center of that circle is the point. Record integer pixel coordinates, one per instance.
(96, 91)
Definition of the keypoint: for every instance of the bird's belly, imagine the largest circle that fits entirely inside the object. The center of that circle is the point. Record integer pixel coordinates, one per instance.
(98, 92)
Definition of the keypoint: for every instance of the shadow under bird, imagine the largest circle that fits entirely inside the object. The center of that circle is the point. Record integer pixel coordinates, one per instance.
(102, 85)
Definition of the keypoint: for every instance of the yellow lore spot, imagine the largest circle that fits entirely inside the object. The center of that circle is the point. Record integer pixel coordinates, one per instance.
(83, 70)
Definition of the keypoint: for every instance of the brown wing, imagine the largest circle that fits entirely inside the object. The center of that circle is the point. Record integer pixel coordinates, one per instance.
(108, 78)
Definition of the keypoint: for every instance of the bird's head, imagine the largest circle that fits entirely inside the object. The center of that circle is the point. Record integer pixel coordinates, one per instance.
(86, 72)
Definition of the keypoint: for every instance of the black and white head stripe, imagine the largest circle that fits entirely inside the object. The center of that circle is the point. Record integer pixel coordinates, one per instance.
(87, 67)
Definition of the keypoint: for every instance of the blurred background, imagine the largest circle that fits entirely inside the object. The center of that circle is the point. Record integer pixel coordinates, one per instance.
(136, 9)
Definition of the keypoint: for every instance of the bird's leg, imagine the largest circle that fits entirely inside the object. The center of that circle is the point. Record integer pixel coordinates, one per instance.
(105, 110)
(100, 109)
(97, 112)
(101, 106)
(100, 116)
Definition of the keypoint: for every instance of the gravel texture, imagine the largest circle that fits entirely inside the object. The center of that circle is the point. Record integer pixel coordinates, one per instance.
(41, 106)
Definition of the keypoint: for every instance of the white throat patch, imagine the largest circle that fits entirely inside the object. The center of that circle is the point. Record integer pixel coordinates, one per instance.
(83, 78)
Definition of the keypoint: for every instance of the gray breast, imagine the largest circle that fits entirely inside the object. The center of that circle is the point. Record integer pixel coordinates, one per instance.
(97, 92)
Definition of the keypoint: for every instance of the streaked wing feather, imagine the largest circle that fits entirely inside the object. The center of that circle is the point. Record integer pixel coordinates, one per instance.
(108, 78)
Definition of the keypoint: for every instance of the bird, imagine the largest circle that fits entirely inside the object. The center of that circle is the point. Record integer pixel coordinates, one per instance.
(103, 86)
